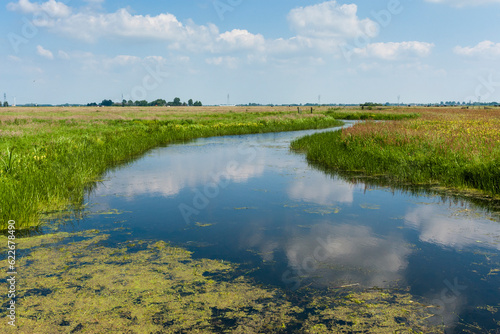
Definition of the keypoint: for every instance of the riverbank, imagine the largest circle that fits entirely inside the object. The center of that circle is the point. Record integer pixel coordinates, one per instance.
(454, 148)
(49, 157)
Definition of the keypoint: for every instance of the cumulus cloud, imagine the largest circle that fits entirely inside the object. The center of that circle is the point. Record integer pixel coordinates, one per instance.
(320, 28)
(44, 52)
(487, 49)
(393, 51)
(50, 8)
(237, 38)
(92, 27)
(330, 20)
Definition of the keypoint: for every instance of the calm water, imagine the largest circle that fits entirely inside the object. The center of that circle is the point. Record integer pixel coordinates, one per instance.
(249, 200)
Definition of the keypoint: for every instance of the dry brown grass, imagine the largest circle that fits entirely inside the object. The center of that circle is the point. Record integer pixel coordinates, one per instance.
(127, 113)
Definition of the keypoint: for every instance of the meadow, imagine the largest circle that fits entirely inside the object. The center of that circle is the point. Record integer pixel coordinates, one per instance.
(450, 147)
(82, 282)
(49, 157)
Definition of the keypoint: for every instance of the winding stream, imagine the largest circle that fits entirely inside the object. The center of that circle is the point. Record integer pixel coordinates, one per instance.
(249, 200)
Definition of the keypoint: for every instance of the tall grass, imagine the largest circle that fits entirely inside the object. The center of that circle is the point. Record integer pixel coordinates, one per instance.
(370, 115)
(456, 152)
(46, 164)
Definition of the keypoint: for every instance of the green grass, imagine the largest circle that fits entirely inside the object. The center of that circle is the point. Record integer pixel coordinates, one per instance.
(46, 164)
(448, 152)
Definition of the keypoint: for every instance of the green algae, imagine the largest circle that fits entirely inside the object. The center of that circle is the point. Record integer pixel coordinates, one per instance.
(76, 282)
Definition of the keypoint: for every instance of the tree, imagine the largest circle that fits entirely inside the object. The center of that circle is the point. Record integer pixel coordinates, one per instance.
(107, 103)
(124, 102)
(177, 102)
(158, 102)
(197, 104)
(190, 102)
(130, 103)
(6, 104)
(142, 103)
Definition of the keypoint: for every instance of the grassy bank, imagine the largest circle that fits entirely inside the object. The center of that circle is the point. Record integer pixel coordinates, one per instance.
(49, 156)
(455, 148)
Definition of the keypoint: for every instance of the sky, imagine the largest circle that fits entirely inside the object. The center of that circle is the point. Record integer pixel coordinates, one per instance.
(255, 51)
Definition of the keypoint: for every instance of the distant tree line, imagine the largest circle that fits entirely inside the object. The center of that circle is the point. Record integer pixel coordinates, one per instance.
(143, 103)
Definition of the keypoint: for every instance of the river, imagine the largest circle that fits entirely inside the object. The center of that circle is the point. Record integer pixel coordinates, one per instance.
(249, 200)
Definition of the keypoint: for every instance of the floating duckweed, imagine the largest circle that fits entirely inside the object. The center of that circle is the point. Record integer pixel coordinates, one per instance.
(85, 286)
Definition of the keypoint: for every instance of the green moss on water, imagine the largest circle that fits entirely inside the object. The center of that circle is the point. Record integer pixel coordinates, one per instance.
(87, 286)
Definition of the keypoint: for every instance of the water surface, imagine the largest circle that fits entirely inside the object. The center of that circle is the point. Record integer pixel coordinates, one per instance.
(249, 200)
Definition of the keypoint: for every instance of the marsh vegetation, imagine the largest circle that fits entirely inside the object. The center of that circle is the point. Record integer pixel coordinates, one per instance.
(136, 273)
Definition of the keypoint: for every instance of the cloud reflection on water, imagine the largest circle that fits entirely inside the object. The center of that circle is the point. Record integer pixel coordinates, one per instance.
(442, 226)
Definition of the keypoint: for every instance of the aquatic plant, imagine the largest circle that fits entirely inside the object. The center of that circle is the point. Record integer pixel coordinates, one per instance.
(76, 282)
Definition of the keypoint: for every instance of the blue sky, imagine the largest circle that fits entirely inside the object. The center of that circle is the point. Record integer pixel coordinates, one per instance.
(279, 51)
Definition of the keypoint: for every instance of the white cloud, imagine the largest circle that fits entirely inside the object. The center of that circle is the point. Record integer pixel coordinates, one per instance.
(485, 49)
(321, 27)
(314, 189)
(91, 27)
(173, 177)
(63, 55)
(230, 62)
(319, 30)
(393, 51)
(329, 20)
(44, 53)
(236, 39)
(347, 253)
(51, 8)
(463, 3)
(457, 230)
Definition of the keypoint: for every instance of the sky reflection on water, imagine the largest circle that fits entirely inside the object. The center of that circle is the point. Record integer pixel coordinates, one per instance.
(249, 200)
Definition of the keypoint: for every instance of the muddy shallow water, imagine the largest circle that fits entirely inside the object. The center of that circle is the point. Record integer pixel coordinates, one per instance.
(248, 200)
